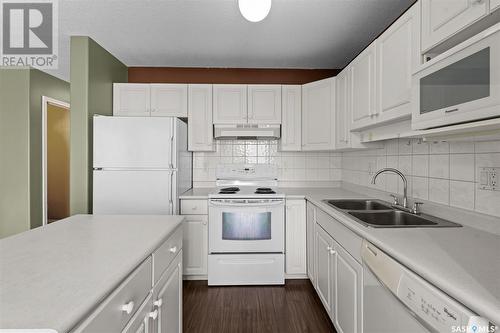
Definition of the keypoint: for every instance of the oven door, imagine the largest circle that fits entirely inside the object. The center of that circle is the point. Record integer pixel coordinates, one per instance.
(246, 225)
(461, 85)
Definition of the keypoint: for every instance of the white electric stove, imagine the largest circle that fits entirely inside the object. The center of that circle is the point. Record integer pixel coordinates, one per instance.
(247, 227)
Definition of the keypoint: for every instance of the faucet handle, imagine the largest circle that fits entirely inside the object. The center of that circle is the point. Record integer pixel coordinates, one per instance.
(396, 200)
(416, 207)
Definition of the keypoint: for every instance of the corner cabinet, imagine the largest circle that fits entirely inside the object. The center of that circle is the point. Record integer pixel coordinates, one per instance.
(318, 115)
(264, 104)
(398, 56)
(229, 103)
(291, 118)
(295, 226)
(200, 128)
(441, 19)
(362, 90)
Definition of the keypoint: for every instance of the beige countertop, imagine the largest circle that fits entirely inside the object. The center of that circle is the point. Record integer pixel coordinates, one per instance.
(52, 277)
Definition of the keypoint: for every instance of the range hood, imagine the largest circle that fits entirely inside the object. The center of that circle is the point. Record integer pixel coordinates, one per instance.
(247, 131)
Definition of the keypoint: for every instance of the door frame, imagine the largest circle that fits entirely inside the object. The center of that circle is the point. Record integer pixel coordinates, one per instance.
(45, 102)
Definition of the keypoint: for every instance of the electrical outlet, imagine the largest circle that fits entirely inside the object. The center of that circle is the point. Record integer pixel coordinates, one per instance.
(488, 179)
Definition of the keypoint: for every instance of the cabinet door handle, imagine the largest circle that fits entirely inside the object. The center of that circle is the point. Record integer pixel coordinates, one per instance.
(173, 249)
(328, 248)
(158, 302)
(332, 251)
(153, 314)
(128, 307)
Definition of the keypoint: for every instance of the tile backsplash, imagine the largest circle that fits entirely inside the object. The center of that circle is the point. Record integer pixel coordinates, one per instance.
(441, 172)
(294, 168)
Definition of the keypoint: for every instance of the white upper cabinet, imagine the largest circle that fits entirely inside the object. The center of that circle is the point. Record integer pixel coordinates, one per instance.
(318, 115)
(342, 110)
(291, 122)
(363, 88)
(169, 100)
(143, 100)
(264, 104)
(131, 99)
(398, 56)
(443, 18)
(230, 103)
(494, 4)
(200, 128)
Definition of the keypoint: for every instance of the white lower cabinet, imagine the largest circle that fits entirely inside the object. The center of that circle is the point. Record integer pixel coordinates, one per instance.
(149, 300)
(166, 316)
(347, 292)
(195, 244)
(195, 239)
(324, 268)
(310, 235)
(337, 275)
(295, 242)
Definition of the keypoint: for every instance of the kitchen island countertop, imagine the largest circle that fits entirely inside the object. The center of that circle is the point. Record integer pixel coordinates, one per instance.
(52, 277)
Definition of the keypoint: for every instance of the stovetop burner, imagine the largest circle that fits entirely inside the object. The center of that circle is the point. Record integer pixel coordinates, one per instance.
(229, 190)
(264, 190)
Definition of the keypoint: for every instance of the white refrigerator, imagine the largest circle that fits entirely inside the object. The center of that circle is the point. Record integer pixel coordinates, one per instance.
(141, 165)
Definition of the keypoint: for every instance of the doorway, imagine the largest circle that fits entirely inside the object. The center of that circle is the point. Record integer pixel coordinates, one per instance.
(56, 163)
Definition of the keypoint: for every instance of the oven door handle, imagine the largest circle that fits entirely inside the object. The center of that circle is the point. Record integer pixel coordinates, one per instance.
(246, 204)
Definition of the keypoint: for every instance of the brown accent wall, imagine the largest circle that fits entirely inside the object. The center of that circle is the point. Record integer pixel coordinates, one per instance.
(227, 75)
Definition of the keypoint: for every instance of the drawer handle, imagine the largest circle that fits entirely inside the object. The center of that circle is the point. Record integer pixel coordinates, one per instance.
(194, 208)
(153, 314)
(128, 307)
(173, 249)
(158, 302)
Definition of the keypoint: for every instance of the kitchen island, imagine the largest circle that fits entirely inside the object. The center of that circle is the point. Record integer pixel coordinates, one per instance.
(54, 277)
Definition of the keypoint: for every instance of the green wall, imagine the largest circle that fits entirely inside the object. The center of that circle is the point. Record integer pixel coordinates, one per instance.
(93, 72)
(21, 91)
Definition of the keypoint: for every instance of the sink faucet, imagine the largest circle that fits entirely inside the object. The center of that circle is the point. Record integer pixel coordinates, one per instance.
(405, 183)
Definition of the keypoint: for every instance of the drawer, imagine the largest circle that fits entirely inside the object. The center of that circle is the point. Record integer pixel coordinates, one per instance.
(140, 322)
(194, 207)
(166, 253)
(110, 316)
(342, 235)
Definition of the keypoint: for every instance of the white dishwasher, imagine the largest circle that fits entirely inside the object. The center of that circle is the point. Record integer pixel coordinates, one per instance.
(396, 300)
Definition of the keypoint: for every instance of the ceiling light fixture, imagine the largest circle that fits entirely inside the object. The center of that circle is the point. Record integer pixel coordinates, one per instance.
(254, 10)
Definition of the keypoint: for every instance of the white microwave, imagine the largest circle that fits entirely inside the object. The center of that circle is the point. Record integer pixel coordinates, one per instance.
(460, 85)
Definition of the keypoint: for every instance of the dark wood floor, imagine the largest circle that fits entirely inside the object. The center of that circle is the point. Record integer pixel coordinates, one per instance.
(294, 307)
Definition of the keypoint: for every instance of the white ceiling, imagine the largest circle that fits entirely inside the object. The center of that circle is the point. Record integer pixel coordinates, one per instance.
(212, 33)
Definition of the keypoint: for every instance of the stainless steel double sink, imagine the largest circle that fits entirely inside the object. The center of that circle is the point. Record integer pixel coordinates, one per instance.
(379, 214)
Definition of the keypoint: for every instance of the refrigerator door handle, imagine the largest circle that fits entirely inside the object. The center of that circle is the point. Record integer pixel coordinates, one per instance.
(171, 203)
(172, 152)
